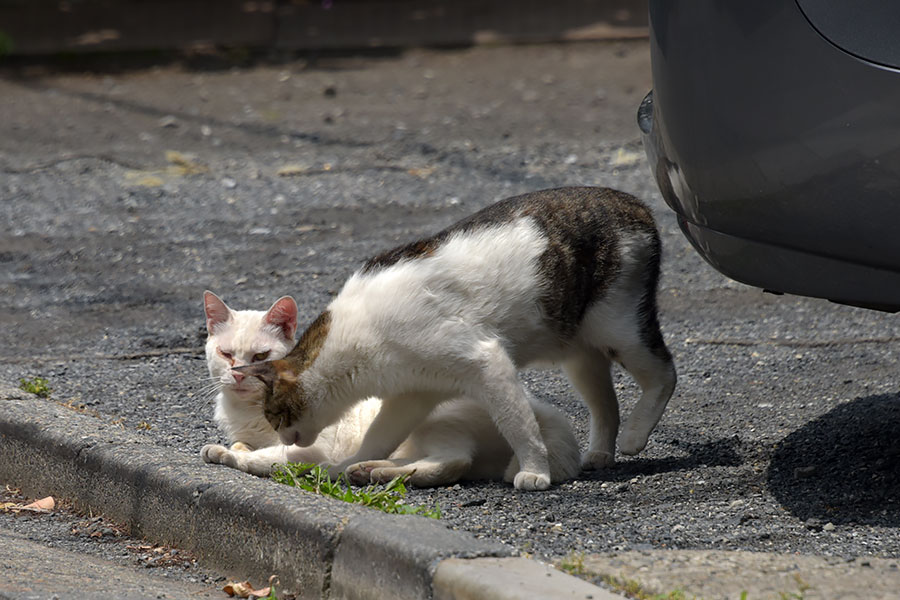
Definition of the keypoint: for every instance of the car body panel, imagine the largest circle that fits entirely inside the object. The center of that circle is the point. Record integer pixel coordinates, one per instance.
(760, 129)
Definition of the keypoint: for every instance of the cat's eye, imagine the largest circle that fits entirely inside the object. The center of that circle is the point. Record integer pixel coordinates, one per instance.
(261, 356)
(225, 355)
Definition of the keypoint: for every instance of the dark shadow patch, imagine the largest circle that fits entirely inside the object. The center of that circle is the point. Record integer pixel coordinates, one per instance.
(843, 467)
(724, 452)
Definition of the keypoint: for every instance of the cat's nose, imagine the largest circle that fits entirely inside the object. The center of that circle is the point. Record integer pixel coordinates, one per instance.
(238, 377)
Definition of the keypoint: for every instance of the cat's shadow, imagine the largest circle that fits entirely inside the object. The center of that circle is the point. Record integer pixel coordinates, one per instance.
(843, 467)
(696, 455)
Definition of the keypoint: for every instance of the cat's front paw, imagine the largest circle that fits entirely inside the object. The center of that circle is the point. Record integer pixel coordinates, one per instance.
(531, 481)
(220, 455)
(594, 460)
(213, 453)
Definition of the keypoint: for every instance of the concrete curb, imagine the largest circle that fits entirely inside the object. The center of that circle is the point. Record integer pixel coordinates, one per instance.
(318, 547)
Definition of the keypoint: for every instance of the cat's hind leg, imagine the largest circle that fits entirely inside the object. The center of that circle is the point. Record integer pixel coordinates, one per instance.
(397, 418)
(652, 367)
(589, 372)
(361, 473)
(430, 471)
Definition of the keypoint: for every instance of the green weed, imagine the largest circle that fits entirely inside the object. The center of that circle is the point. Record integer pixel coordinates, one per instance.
(387, 497)
(271, 595)
(632, 589)
(573, 564)
(38, 386)
(800, 594)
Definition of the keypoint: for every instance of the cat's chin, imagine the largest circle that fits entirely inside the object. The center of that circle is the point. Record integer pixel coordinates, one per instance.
(290, 437)
(241, 391)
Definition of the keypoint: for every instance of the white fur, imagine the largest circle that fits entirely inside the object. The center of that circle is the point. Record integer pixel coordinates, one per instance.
(238, 409)
(457, 441)
(460, 323)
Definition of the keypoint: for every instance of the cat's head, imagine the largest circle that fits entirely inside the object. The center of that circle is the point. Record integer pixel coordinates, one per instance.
(284, 400)
(243, 337)
(286, 404)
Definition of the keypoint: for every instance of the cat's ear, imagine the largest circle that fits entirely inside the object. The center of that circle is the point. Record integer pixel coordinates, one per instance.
(283, 315)
(217, 312)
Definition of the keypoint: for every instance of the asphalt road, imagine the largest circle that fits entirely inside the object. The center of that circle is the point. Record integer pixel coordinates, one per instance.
(781, 435)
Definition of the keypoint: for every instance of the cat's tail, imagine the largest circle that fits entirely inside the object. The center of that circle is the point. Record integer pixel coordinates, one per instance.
(562, 447)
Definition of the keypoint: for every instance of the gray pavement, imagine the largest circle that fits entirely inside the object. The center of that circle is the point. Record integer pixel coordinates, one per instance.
(33, 571)
(124, 194)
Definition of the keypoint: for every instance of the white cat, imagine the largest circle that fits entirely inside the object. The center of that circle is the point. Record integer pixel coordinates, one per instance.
(565, 276)
(458, 441)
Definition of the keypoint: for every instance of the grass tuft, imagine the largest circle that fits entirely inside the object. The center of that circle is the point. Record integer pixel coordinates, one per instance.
(573, 564)
(387, 497)
(38, 386)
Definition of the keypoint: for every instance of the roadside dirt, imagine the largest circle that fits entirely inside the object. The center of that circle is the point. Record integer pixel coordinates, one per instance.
(717, 575)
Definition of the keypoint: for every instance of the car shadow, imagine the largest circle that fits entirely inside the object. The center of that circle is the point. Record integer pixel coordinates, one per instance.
(843, 467)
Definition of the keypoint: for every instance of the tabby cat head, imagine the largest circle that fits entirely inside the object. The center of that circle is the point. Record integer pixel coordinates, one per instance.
(286, 401)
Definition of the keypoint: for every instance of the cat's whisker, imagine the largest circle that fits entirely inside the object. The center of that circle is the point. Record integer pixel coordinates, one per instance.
(201, 381)
(209, 391)
(212, 387)
(211, 382)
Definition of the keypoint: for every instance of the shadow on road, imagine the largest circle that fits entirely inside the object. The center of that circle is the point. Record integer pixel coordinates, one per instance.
(718, 453)
(843, 467)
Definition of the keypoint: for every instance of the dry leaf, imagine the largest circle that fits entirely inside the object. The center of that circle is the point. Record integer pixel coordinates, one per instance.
(143, 179)
(245, 590)
(39, 506)
(421, 172)
(289, 170)
(47, 503)
(183, 165)
(625, 157)
(240, 589)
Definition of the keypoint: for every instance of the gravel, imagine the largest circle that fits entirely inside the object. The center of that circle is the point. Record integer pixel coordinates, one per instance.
(780, 436)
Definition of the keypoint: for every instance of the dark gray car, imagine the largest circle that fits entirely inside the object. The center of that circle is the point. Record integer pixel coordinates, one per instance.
(773, 130)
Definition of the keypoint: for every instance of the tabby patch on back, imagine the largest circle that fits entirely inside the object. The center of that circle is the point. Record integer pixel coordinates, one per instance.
(565, 276)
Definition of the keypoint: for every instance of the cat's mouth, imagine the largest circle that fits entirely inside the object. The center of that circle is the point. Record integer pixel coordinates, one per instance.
(244, 388)
(244, 392)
